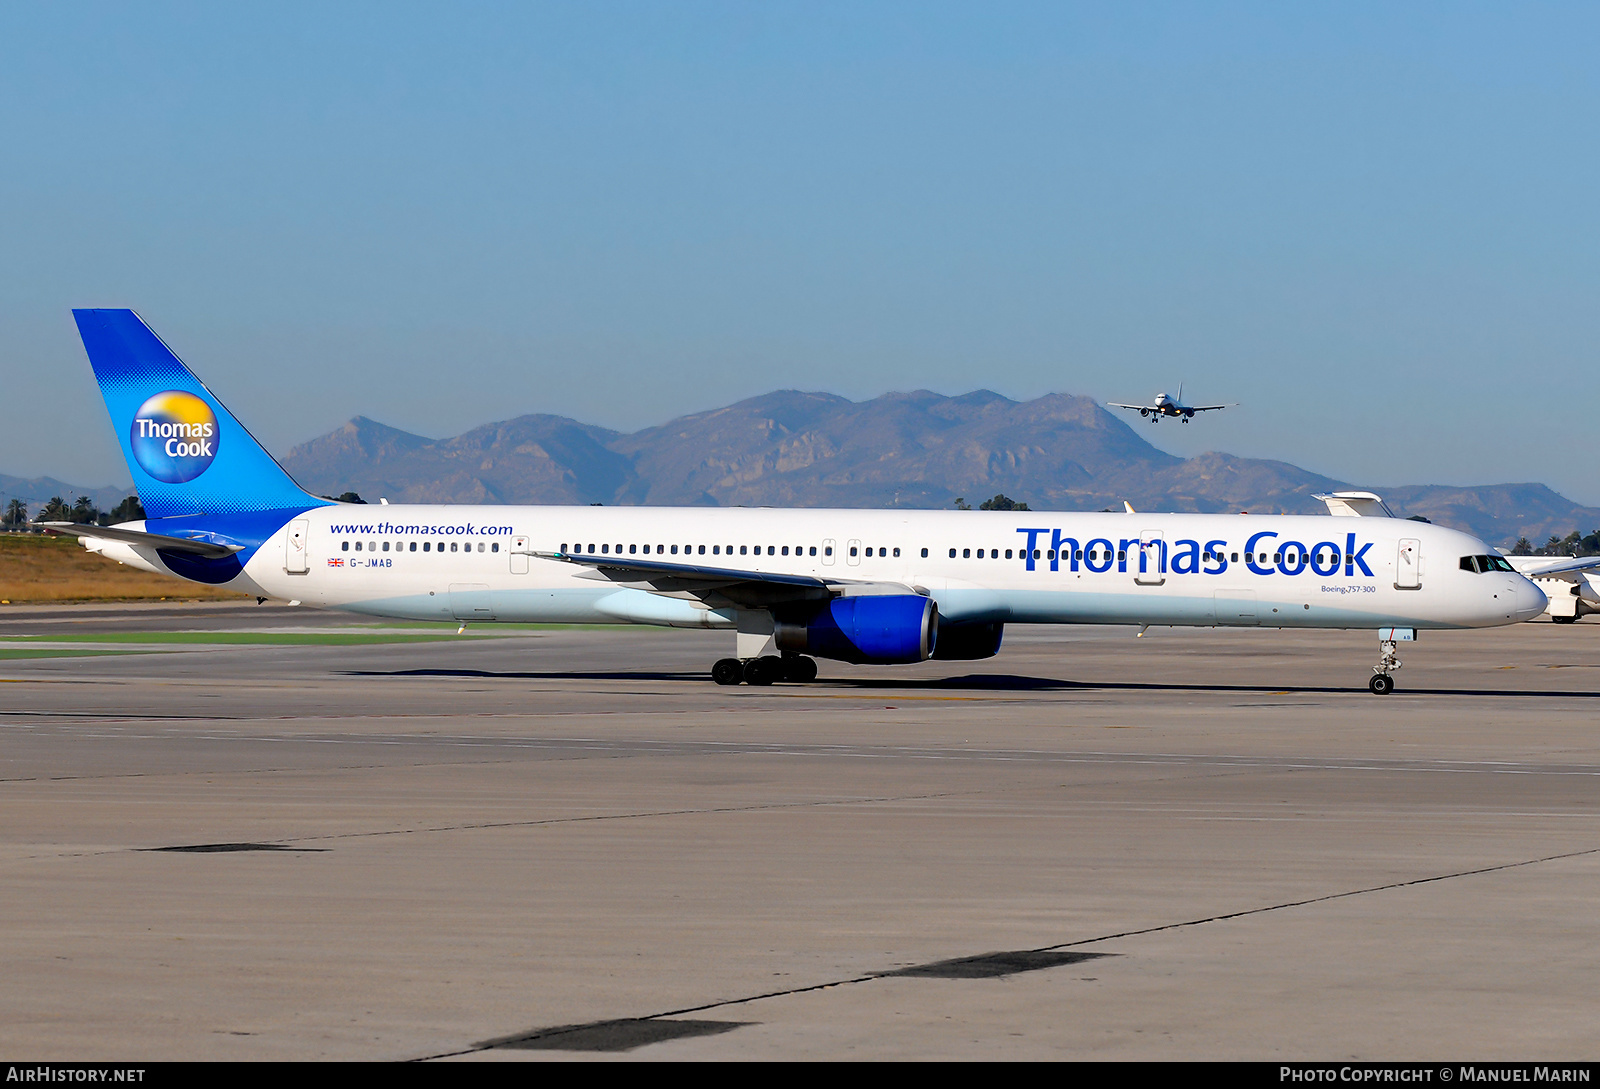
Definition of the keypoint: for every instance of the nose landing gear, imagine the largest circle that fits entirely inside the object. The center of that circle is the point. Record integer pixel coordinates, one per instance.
(1382, 683)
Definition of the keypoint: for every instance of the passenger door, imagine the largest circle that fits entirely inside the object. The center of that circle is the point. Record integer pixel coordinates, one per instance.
(1408, 566)
(1152, 569)
(296, 560)
(852, 552)
(519, 555)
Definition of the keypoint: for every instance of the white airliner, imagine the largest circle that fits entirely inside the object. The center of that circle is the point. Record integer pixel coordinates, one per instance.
(1572, 583)
(862, 586)
(1167, 405)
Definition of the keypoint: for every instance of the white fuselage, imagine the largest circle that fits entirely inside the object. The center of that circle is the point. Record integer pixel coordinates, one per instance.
(479, 563)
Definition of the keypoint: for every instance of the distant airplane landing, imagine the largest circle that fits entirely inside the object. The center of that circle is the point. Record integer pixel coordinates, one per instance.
(1167, 405)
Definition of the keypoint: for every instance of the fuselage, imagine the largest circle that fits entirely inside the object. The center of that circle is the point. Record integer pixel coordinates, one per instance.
(482, 563)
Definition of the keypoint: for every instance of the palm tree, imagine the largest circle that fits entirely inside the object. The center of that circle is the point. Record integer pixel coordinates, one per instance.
(16, 514)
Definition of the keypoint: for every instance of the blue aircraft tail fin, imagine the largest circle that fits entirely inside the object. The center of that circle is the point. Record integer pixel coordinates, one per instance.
(187, 453)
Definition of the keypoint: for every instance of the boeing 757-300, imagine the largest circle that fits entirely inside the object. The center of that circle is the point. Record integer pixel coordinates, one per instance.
(859, 586)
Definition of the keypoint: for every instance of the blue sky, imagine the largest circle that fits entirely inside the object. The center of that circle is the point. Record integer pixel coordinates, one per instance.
(1374, 225)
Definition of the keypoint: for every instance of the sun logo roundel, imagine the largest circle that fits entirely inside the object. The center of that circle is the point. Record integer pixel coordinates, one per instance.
(174, 436)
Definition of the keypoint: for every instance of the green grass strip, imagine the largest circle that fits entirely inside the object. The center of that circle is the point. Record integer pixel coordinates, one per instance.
(13, 653)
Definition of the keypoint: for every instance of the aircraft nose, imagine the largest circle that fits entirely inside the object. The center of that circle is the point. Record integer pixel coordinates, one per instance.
(1530, 600)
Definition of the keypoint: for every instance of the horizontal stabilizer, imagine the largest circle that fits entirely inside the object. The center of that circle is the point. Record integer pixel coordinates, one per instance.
(1355, 505)
(137, 537)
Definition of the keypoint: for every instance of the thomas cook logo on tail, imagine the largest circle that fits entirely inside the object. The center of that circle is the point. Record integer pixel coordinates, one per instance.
(175, 436)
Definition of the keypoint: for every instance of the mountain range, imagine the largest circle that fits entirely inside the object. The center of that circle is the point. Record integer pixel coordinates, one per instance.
(914, 450)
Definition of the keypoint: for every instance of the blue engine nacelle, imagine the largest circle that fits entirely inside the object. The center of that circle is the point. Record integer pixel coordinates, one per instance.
(869, 630)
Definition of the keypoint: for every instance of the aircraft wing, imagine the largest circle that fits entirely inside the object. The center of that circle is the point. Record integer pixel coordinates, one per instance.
(1570, 568)
(719, 587)
(1210, 408)
(1136, 408)
(138, 537)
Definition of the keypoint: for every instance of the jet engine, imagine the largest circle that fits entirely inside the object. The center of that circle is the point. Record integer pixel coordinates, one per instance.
(869, 630)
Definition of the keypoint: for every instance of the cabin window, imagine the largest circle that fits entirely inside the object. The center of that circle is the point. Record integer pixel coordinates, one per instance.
(897, 552)
(852, 550)
(924, 553)
(785, 550)
(344, 546)
(424, 546)
(1052, 553)
(703, 550)
(744, 550)
(772, 550)
(358, 546)
(952, 553)
(827, 550)
(1122, 554)
(814, 550)
(633, 548)
(495, 547)
(966, 553)
(413, 546)
(994, 553)
(1008, 553)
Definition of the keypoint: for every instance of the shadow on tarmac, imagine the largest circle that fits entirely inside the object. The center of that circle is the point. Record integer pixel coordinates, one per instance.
(972, 682)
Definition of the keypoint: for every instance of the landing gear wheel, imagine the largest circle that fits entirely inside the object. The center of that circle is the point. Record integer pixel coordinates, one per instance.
(1381, 684)
(799, 669)
(763, 671)
(1565, 619)
(728, 671)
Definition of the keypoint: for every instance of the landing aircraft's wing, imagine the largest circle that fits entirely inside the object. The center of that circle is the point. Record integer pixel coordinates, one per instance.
(1209, 408)
(719, 587)
(137, 537)
(1136, 408)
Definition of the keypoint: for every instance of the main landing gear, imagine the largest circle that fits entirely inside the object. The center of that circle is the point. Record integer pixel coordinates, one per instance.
(796, 668)
(1382, 683)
